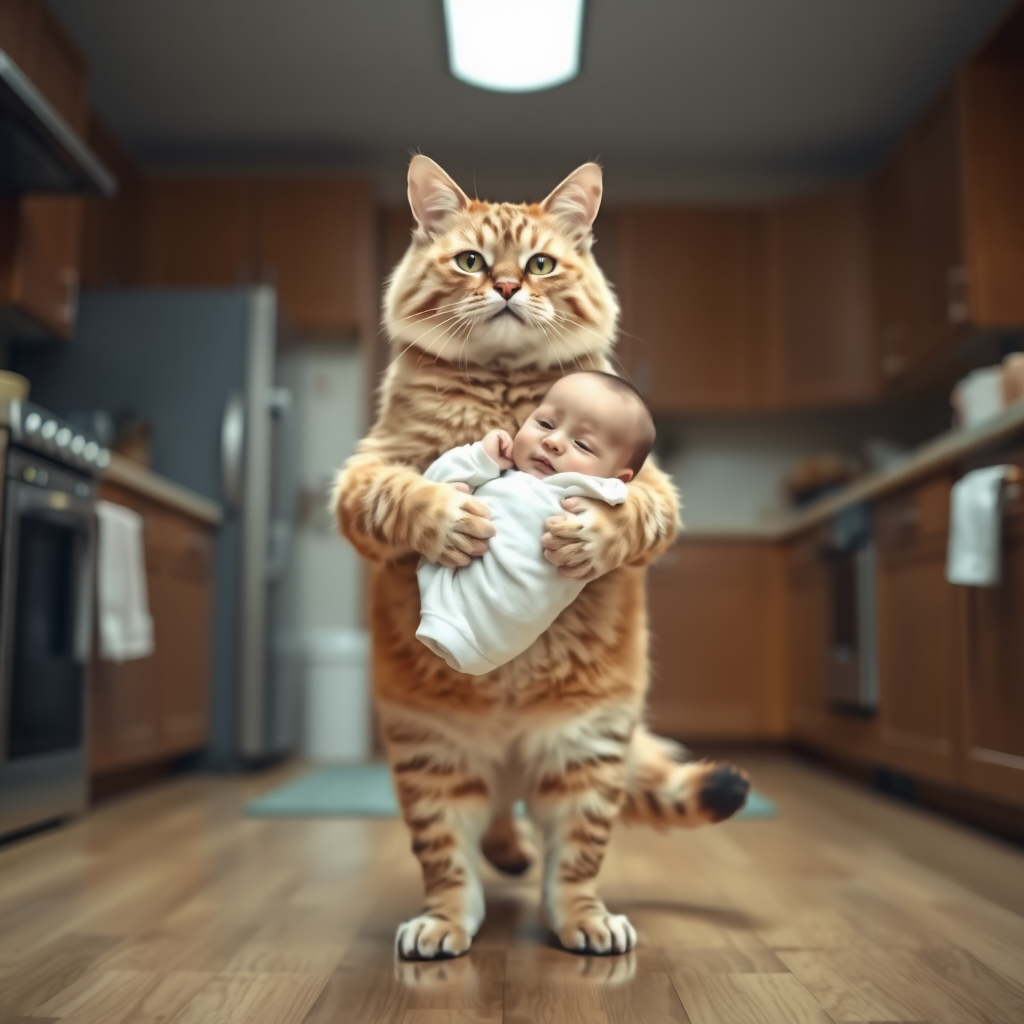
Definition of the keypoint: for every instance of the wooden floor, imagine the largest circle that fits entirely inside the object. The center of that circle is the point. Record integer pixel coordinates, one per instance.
(170, 906)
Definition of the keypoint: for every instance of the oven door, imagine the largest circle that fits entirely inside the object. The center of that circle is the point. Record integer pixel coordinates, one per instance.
(45, 639)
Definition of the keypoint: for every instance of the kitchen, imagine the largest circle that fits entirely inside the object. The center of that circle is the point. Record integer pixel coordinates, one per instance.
(202, 309)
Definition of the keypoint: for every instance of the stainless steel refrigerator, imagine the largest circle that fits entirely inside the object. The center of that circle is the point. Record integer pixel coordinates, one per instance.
(200, 366)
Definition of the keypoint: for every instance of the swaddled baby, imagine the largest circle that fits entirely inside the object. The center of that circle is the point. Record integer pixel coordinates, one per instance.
(588, 438)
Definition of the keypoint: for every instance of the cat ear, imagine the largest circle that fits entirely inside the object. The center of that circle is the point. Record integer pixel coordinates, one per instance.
(432, 194)
(576, 201)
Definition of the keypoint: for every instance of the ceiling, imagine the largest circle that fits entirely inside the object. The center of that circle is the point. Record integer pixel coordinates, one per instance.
(702, 100)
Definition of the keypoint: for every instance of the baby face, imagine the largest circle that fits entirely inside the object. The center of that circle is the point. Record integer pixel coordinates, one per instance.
(581, 426)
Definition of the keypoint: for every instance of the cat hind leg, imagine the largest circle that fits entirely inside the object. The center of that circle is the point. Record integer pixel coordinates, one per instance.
(506, 844)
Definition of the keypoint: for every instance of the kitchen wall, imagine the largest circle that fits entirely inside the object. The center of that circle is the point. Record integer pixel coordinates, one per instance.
(731, 470)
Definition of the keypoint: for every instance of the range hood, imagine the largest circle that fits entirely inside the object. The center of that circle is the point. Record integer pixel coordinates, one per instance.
(39, 152)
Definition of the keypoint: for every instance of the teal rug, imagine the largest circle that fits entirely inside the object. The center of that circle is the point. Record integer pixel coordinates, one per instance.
(365, 791)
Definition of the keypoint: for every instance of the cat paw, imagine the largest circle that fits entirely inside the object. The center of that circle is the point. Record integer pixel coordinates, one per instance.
(508, 850)
(456, 529)
(599, 933)
(724, 791)
(429, 938)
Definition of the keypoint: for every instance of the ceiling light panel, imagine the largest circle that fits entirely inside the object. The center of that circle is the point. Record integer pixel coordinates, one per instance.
(514, 45)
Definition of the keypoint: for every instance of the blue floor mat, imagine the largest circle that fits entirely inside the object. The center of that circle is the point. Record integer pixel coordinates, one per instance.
(365, 791)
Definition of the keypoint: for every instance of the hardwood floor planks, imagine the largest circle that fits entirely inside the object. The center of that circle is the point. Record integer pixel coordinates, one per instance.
(170, 907)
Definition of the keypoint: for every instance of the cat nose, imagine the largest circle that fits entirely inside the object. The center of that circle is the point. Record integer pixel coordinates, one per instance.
(506, 289)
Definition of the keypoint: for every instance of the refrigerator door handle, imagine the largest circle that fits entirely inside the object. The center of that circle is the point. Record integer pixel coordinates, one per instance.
(232, 452)
(281, 408)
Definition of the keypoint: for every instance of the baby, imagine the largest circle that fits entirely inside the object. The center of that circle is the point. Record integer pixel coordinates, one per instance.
(588, 438)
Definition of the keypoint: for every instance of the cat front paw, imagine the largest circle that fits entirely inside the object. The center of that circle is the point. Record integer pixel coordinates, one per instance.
(430, 938)
(599, 933)
(585, 541)
(454, 527)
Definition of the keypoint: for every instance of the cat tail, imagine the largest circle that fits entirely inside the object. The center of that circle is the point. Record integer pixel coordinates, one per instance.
(667, 789)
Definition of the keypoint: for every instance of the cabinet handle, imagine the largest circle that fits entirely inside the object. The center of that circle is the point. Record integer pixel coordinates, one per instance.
(957, 304)
(67, 311)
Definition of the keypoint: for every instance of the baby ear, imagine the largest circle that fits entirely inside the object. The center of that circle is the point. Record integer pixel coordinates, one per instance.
(433, 195)
(626, 475)
(576, 201)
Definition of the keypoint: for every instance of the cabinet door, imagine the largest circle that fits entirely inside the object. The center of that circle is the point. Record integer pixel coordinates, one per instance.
(940, 280)
(685, 286)
(317, 246)
(920, 636)
(181, 602)
(716, 645)
(893, 226)
(200, 232)
(994, 712)
(807, 631)
(124, 714)
(40, 244)
(819, 260)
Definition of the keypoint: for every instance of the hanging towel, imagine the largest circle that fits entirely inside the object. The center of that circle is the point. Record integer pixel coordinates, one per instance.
(125, 625)
(975, 528)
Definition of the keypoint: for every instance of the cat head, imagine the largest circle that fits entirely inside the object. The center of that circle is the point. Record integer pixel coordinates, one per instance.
(506, 284)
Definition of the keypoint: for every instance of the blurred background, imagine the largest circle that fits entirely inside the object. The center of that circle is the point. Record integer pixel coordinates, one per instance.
(814, 220)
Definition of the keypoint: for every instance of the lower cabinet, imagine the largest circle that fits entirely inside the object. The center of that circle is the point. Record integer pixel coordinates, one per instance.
(993, 699)
(714, 610)
(950, 659)
(154, 708)
(920, 634)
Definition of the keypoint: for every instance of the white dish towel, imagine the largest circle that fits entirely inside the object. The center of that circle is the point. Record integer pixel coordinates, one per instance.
(975, 528)
(125, 625)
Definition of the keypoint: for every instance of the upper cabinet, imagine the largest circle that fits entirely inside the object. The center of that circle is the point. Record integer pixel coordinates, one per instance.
(947, 215)
(40, 236)
(817, 301)
(312, 238)
(685, 280)
(316, 243)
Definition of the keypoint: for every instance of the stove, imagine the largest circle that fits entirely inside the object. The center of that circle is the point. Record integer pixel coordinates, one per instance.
(47, 556)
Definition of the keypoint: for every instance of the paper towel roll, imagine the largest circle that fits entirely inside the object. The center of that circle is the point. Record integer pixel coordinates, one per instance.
(975, 528)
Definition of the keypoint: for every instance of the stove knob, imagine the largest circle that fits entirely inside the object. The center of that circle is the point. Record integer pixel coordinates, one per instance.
(49, 430)
(89, 451)
(33, 421)
(103, 458)
(77, 444)
(63, 437)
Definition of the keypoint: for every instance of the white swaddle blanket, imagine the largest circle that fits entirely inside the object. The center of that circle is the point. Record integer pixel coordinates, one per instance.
(975, 528)
(125, 625)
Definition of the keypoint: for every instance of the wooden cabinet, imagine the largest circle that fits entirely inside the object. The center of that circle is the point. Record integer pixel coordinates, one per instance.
(807, 631)
(947, 216)
(685, 278)
(919, 634)
(716, 646)
(40, 236)
(316, 244)
(993, 694)
(819, 301)
(312, 238)
(200, 232)
(154, 708)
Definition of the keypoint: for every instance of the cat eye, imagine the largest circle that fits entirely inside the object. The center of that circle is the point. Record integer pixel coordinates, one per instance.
(540, 264)
(471, 262)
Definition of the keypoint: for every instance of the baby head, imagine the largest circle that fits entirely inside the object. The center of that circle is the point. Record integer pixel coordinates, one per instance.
(588, 422)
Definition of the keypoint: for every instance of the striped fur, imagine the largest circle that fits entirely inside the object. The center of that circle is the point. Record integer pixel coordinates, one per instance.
(560, 725)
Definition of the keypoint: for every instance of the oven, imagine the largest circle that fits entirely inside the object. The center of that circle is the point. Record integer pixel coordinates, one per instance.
(850, 560)
(46, 588)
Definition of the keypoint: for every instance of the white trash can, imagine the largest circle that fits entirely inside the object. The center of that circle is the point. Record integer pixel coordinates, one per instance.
(338, 695)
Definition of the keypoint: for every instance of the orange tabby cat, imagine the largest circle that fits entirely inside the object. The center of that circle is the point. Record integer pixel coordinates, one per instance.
(481, 328)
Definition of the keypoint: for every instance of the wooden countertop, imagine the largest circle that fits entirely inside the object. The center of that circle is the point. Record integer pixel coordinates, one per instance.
(942, 451)
(129, 474)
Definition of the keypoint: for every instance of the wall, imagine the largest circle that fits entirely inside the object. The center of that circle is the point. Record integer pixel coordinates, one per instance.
(731, 470)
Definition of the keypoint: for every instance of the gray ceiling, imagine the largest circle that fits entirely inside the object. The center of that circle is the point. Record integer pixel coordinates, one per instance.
(680, 99)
